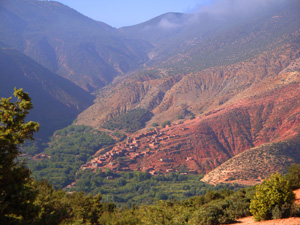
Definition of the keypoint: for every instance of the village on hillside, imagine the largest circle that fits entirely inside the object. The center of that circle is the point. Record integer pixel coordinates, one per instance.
(133, 153)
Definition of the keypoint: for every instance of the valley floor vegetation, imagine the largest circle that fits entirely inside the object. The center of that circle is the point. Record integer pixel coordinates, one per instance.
(135, 188)
(24, 200)
(69, 148)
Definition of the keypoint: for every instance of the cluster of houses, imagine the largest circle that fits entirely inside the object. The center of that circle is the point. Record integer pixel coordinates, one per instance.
(135, 148)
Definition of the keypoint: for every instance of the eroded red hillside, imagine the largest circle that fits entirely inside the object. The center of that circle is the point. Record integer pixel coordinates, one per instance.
(238, 107)
(203, 143)
(199, 92)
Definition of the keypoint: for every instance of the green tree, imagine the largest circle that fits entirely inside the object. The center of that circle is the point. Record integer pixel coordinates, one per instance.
(155, 125)
(86, 208)
(273, 195)
(16, 192)
(180, 117)
(293, 176)
(52, 205)
(164, 124)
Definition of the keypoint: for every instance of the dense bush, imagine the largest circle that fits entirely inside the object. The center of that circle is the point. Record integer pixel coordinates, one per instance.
(56, 207)
(196, 210)
(155, 125)
(209, 215)
(293, 176)
(180, 117)
(164, 124)
(273, 199)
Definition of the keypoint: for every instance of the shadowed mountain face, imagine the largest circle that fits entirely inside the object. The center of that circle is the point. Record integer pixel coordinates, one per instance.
(87, 52)
(56, 100)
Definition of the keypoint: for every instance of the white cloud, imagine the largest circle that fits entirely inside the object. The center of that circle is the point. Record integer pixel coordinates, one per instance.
(166, 24)
(225, 7)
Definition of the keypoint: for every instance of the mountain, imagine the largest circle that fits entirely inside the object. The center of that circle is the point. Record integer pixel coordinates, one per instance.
(252, 118)
(222, 84)
(168, 91)
(242, 84)
(56, 101)
(88, 53)
(188, 43)
(159, 29)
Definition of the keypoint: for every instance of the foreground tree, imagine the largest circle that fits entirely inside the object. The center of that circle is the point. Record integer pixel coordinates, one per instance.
(16, 192)
(58, 207)
(273, 199)
(293, 176)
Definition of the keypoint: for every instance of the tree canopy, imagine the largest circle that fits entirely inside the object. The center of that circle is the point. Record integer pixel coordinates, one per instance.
(273, 199)
(16, 194)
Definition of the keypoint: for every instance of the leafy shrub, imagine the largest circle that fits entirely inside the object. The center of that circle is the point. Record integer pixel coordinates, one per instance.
(164, 124)
(293, 176)
(212, 195)
(161, 196)
(273, 198)
(180, 117)
(208, 215)
(56, 207)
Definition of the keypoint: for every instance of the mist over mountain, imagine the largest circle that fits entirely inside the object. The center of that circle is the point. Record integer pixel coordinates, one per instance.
(222, 33)
(159, 28)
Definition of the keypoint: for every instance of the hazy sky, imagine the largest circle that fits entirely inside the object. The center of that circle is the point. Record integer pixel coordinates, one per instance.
(118, 13)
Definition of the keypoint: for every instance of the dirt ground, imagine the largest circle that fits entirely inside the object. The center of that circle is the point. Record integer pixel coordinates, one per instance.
(287, 221)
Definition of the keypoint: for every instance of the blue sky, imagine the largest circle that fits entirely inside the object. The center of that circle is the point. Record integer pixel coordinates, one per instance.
(118, 13)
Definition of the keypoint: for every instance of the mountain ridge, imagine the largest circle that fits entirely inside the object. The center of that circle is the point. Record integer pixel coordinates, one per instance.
(87, 52)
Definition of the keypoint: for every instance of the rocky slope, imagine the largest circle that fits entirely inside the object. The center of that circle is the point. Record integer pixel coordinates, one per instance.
(170, 96)
(237, 57)
(238, 107)
(254, 165)
(206, 142)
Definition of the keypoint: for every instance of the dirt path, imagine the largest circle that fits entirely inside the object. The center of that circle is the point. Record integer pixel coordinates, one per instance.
(288, 221)
(297, 193)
